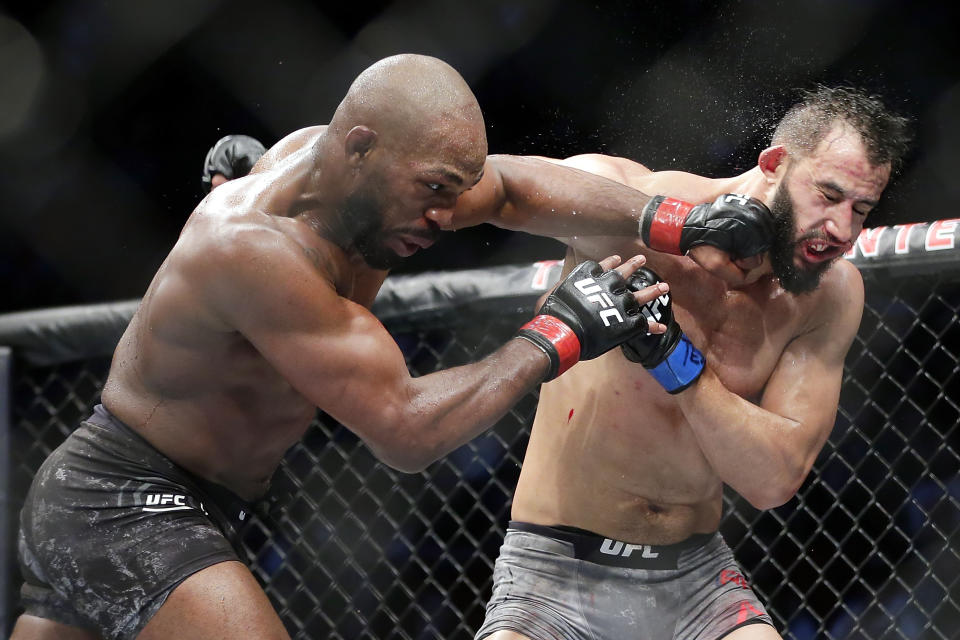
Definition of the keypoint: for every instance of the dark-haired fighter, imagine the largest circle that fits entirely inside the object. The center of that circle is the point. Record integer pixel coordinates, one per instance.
(615, 516)
(259, 315)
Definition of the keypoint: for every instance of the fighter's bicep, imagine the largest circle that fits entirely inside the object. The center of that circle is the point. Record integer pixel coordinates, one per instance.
(805, 388)
(804, 384)
(338, 356)
(809, 373)
(491, 200)
(622, 170)
(481, 203)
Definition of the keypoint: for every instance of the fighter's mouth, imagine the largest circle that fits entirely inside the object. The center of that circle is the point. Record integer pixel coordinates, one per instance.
(817, 250)
(407, 245)
(417, 241)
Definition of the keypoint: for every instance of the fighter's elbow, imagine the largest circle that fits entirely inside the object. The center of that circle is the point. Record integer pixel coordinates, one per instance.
(405, 446)
(404, 464)
(400, 457)
(769, 498)
(776, 492)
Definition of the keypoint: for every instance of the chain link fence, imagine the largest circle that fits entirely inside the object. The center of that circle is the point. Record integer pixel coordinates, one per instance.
(348, 548)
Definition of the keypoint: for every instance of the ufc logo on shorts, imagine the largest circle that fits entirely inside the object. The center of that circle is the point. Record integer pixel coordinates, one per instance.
(617, 548)
(590, 288)
(166, 502)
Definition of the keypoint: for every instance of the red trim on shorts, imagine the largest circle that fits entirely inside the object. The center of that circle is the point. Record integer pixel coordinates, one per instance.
(667, 225)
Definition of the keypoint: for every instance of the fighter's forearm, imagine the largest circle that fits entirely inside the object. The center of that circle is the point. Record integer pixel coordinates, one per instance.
(753, 450)
(448, 408)
(548, 199)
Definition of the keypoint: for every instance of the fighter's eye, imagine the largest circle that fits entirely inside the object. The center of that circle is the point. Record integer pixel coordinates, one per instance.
(434, 186)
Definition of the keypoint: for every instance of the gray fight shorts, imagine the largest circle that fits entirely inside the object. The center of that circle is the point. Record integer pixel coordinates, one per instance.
(111, 526)
(561, 583)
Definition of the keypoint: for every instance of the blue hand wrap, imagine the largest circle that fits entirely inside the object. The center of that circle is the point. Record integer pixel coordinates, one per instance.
(681, 368)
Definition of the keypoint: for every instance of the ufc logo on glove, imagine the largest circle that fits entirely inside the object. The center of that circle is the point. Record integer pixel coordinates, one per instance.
(567, 327)
(652, 310)
(593, 292)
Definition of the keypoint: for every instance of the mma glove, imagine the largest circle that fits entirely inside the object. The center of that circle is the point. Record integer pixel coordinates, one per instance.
(232, 156)
(590, 312)
(670, 357)
(739, 225)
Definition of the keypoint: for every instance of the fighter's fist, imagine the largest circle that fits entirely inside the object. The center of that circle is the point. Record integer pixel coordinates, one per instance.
(590, 312)
(671, 357)
(739, 225)
(232, 157)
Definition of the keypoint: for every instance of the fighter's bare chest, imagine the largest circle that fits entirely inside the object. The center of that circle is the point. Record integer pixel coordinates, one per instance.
(742, 333)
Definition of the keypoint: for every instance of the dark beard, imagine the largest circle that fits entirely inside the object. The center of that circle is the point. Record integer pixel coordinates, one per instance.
(363, 218)
(784, 247)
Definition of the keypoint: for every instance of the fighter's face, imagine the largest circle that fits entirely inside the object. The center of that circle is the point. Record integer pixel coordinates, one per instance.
(796, 274)
(386, 213)
(820, 206)
(365, 212)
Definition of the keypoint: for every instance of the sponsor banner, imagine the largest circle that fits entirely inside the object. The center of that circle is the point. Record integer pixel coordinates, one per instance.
(914, 247)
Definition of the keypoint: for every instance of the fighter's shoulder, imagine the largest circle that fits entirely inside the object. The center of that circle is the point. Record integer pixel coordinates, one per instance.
(221, 233)
(287, 145)
(679, 184)
(843, 282)
(837, 303)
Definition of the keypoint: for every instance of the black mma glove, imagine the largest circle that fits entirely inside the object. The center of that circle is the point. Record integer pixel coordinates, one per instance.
(671, 357)
(590, 312)
(739, 225)
(232, 156)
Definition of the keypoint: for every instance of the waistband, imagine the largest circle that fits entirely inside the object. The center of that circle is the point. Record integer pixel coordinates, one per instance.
(234, 508)
(595, 548)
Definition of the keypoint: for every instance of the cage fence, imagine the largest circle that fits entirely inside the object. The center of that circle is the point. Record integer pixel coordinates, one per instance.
(346, 547)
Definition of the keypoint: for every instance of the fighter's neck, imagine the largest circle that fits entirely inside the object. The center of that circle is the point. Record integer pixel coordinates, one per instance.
(307, 190)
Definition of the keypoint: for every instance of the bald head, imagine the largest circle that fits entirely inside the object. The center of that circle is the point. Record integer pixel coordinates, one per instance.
(413, 103)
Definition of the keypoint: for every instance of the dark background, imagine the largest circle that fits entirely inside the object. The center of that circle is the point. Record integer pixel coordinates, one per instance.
(107, 108)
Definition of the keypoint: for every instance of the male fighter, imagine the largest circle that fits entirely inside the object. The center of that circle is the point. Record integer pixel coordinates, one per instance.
(615, 516)
(259, 315)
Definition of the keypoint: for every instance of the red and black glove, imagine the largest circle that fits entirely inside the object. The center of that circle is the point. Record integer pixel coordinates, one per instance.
(590, 312)
(739, 225)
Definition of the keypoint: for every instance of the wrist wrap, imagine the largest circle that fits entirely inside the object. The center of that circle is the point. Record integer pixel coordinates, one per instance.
(662, 225)
(681, 368)
(556, 339)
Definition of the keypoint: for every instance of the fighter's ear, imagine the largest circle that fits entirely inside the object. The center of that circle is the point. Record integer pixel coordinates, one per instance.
(771, 159)
(358, 142)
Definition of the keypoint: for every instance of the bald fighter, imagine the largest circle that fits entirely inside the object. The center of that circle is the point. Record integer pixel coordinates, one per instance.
(614, 530)
(259, 315)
